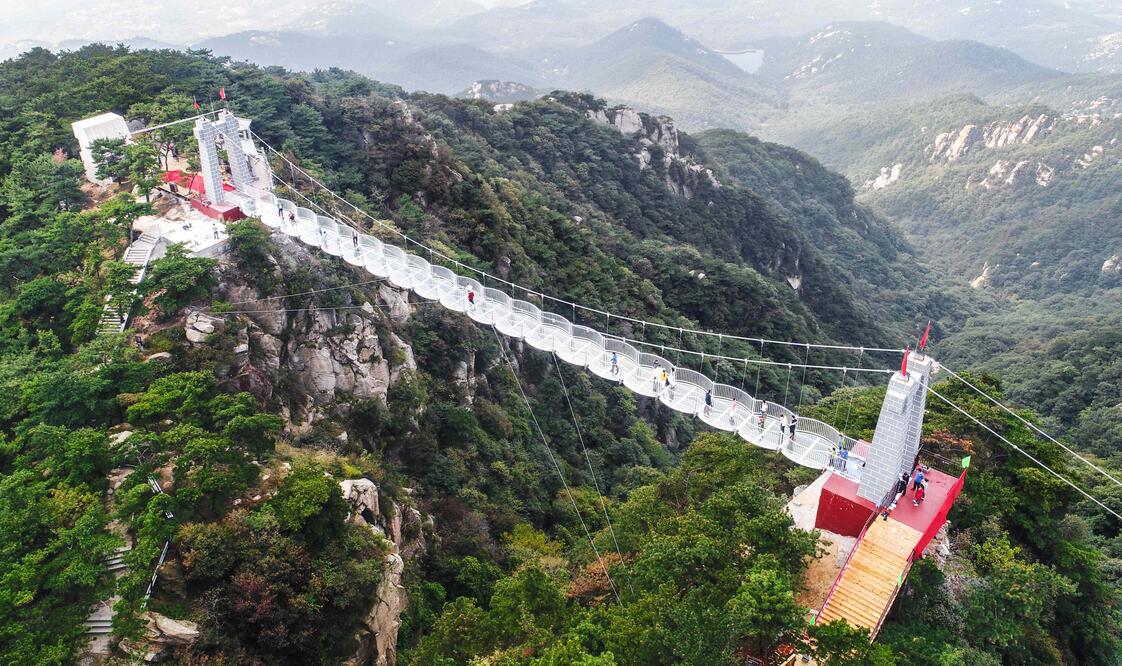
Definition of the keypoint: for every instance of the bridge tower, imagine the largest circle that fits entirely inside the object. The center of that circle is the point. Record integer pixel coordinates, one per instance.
(225, 132)
(896, 439)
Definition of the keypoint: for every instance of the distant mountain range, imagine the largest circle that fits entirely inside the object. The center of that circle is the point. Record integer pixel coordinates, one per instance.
(874, 62)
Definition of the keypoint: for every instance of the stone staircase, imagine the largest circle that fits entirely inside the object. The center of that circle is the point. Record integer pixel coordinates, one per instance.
(138, 254)
(872, 576)
(100, 621)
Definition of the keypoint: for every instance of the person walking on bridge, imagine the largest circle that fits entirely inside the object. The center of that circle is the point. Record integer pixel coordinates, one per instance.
(656, 376)
(354, 239)
(763, 415)
(471, 298)
(794, 422)
(708, 401)
(615, 363)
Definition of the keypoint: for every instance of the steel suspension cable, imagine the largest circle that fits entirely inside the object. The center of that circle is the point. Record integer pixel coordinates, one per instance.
(1031, 425)
(556, 465)
(591, 471)
(544, 296)
(1024, 453)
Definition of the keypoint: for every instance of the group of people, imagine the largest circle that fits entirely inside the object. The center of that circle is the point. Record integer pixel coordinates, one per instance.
(918, 481)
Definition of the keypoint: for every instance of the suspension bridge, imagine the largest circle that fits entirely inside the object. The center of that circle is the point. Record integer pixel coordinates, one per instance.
(858, 477)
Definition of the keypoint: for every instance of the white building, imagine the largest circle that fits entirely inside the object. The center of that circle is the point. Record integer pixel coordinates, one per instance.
(88, 130)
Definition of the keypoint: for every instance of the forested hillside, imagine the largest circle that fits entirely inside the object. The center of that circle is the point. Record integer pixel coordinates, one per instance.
(247, 414)
(1020, 201)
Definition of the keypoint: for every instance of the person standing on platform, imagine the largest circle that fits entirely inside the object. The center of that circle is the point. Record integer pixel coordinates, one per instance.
(794, 422)
(917, 482)
(763, 415)
(901, 485)
(708, 401)
(656, 375)
(354, 239)
(471, 298)
(615, 363)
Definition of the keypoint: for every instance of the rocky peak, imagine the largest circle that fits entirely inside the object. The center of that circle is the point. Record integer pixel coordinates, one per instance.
(499, 91)
(657, 135)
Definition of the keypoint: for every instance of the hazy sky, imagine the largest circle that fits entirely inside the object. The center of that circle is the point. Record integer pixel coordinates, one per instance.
(185, 21)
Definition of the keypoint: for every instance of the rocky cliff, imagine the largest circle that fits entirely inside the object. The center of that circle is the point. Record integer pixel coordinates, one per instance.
(657, 143)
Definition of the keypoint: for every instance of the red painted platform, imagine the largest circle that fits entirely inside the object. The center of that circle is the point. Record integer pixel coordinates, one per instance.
(841, 511)
(197, 192)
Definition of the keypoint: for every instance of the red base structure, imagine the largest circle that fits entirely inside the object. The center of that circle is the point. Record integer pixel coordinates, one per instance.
(840, 510)
(224, 212)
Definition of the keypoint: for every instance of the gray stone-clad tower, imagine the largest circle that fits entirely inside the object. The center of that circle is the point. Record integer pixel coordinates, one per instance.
(896, 439)
(208, 133)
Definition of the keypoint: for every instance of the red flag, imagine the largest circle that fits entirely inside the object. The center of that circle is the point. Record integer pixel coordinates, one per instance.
(196, 103)
(926, 332)
(222, 93)
(904, 363)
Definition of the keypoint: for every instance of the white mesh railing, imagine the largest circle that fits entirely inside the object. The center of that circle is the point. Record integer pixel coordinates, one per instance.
(621, 348)
(586, 334)
(687, 376)
(731, 393)
(815, 443)
(558, 322)
(526, 309)
(499, 298)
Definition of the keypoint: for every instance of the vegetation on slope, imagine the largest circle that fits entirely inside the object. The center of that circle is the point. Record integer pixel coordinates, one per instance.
(709, 565)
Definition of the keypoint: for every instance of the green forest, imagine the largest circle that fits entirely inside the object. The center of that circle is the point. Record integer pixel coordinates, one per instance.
(639, 538)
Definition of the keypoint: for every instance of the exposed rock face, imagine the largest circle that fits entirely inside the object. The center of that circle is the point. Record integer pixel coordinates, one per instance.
(1113, 265)
(330, 356)
(406, 534)
(499, 91)
(362, 495)
(1090, 157)
(199, 326)
(163, 634)
(952, 146)
(1023, 172)
(657, 136)
(980, 281)
(886, 177)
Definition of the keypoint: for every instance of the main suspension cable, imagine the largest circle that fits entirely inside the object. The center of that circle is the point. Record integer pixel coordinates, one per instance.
(1024, 453)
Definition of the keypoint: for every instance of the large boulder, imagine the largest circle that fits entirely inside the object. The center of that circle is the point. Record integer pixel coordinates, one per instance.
(162, 636)
(362, 495)
(199, 326)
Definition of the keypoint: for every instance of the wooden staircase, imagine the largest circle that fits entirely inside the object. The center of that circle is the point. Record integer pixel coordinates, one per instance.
(868, 584)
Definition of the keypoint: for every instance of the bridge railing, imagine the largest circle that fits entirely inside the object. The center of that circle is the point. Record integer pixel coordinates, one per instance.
(587, 334)
(621, 348)
(499, 297)
(557, 321)
(555, 332)
(687, 376)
